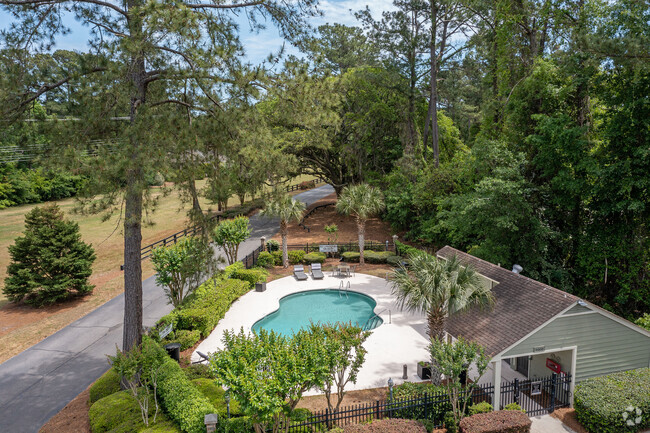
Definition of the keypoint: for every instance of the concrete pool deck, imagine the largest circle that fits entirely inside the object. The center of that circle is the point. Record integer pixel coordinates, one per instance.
(390, 346)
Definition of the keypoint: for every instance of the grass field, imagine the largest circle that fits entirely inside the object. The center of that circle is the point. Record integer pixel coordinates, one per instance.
(24, 326)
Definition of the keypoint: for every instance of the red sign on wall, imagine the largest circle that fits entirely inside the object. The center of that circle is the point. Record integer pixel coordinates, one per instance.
(554, 366)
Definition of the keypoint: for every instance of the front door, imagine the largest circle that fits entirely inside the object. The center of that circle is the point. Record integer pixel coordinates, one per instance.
(522, 365)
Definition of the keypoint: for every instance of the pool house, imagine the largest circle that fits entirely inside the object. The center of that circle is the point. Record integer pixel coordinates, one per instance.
(535, 330)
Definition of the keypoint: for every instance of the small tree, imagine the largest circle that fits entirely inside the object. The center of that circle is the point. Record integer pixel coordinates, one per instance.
(287, 209)
(229, 234)
(138, 369)
(363, 201)
(267, 373)
(345, 355)
(452, 360)
(181, 267)
(50, 263)
(332, 232)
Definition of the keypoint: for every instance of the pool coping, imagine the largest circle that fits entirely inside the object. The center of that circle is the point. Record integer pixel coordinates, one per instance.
(401, 339)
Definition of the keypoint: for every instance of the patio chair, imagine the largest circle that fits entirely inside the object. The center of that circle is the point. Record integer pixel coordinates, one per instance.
(299, 273)
(352, 268)
(316, 271)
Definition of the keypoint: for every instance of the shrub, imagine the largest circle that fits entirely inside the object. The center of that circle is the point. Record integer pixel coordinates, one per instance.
(198, 371)
(387, 426)
(255, 275)
(182, 401)
(410, 390)
(377, 256)
(503, 421)
(231, 269)
(215, 394)
(208, 305)
(265, 260)
(50, 262)
(272, 245)
(350, 257)
(514, 406)
(394, 260)
(120, 413)
(185, 337)
(314, 258)
(600, 402)
(405, 250)
(296, 257)
(277, 257)
(107, 384)
(242, 424)
(483, 407)
(644, 321)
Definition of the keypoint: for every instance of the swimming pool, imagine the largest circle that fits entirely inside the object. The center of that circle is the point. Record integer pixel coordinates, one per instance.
(320, 306)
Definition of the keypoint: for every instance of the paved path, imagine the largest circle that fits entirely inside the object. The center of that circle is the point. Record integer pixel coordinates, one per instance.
(548, 424)
(39, 382)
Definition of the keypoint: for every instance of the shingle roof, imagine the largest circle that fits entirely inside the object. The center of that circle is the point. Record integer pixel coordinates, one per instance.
(522, 305)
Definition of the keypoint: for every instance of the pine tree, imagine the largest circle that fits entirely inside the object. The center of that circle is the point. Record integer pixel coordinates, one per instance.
(50, 263)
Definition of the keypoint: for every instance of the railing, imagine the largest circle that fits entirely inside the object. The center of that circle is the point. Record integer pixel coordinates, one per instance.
(344, 289)
(433, 406)
(376, 320)
(251, 259)
(538, 396)
(145, 252)
(311, 211)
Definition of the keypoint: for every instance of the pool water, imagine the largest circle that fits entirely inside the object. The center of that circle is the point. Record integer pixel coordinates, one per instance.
(319, 306)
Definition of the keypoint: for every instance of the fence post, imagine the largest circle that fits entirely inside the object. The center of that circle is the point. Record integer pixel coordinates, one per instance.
(426, 405)
(377, 408)
(307, 247)
(327, 418)
(553, 383)
(516, 391)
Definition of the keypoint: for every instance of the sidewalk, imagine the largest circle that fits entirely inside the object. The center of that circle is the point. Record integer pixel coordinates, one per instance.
(39, 382)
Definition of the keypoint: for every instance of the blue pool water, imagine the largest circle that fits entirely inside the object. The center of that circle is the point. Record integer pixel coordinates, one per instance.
(319, 306)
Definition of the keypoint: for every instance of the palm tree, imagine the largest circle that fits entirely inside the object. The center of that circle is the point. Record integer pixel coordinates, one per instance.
(363, 201)
(439, 288)
(287, 209)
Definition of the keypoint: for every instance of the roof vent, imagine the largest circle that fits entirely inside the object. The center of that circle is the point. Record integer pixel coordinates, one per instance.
(516, 268)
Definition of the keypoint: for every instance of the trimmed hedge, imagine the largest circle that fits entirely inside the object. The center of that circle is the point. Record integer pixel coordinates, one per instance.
(314, 258)
(503, 421)
(255, 275)
(404, 250)
(185, 337)
(296, 256)
(182, 401)
(199, 371)
(394, 260)
(207, 305)
(107, 384)
(120, 413)
(272, 245)
(265, 260)
(350, 257)
(377, 257)
(215, 394)
(600, 402)
(277, 256)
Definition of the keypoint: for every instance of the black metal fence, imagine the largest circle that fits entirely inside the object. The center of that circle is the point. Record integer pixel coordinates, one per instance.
(251, 259)
(433, 407)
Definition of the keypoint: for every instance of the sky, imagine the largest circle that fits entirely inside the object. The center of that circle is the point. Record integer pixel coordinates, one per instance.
(258, 45)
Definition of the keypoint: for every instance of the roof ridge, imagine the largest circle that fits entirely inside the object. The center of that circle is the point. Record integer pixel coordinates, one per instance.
(509, 274)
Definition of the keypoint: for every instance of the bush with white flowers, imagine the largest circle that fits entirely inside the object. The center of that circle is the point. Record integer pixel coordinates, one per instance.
(616, 403)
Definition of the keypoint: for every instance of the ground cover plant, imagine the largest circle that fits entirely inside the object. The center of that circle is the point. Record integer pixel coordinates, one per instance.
(618, 402)
(502, 421)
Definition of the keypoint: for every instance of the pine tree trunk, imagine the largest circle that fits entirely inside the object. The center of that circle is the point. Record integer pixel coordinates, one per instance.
(361, 225)
(132, 333)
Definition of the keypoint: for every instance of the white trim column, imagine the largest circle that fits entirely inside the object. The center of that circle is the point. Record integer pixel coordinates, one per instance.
(574, 359)
(496, 381)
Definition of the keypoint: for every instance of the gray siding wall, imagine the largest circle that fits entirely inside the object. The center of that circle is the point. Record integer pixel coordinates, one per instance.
(604, 345)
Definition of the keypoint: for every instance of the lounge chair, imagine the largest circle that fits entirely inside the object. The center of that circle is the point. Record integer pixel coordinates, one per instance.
(299, 273)
(316, 271)
(203, 358)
